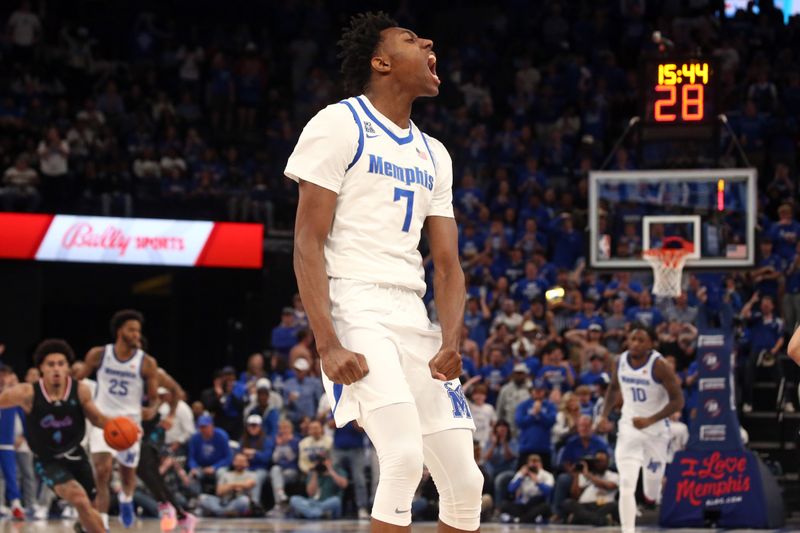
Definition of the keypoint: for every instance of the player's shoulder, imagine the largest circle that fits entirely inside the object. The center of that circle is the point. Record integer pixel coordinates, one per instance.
(437, 147)
(338, 115)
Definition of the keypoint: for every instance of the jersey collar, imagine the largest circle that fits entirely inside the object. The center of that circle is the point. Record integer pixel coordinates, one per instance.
(367, 107)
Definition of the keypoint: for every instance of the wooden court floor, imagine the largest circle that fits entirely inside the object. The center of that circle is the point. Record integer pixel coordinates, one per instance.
(209, 525)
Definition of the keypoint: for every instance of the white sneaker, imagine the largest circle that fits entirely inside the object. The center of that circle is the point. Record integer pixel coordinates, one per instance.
(363, 514)
(747, 408)
(40, 512)
(788, 408)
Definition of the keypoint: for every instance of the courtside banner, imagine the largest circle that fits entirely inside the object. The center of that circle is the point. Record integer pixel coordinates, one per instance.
(133, 241)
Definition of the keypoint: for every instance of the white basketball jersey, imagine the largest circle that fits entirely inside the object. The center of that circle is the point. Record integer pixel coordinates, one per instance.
(120, 387)
(642, 394)
(388, 181)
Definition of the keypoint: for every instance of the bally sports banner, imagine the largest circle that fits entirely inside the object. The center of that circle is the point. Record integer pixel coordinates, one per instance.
(131, 241)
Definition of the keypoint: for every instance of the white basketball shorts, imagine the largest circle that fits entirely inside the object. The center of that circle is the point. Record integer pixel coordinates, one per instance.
(389, 326)
(97, 444)
(651, 451)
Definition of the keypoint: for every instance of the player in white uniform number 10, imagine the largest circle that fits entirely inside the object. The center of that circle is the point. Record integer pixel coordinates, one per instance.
(650, 394)
(125, 377)
(370, 181)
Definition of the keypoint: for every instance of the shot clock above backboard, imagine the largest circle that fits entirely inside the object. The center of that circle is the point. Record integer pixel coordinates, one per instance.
(679, 91)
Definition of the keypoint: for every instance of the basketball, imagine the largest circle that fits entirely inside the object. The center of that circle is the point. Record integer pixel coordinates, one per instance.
(121, 433)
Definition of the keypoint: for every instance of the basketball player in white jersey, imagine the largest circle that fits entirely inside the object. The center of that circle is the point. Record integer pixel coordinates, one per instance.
(370, 181)
(650, 393)
(125, 377)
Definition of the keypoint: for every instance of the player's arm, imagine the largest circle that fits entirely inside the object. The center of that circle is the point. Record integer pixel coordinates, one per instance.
(315, 211)
(91, 363)
(448, 294)
(663, 373)
(91, 411)
(18, 395)
(150, 376)
(169, 383)
(611, 399)
(794, 346)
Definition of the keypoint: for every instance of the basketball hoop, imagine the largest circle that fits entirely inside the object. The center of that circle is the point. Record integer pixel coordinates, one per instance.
(667, 264)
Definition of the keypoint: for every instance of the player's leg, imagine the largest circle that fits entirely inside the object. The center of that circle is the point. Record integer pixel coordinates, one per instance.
(147, 470)
(73, 493)
(128, 461)
(102, 462)
(656, 452)
(8, 464)
(629, 457)
(395, 432)
(449, 455)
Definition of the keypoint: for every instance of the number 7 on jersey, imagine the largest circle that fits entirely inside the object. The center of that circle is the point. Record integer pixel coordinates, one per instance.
(409, 195)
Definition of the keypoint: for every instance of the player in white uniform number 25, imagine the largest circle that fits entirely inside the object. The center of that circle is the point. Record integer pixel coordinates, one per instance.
(650, 394)
(370, 180)
(125, 377)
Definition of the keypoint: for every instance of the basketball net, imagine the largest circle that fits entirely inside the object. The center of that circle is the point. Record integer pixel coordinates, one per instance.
(667, 265)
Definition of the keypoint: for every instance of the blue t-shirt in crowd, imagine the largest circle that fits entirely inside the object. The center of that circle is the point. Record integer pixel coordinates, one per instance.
(770, 286)
(575, 449)
(650, 317)
(214, 452)
(534, 430)
(348, 438)
(785, 237)
(764, 333)
(283, 338)
(555, 376)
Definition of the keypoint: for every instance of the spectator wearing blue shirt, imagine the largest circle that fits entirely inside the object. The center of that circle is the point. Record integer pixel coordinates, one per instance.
(594, 372)
(589, 315)
(535, 418)
(529, 288)
(567, 243)
(645, 313)
(302, 392)
(266, 408)
(768, 270)
(556, 372)
(623, 287)
(209, 450)
(284, 463)
(284, 335)
(258, 447)
(471, 242)
(690, 377)
(785, 233)
(531, 487)
(583, 444)
(496, 373)
(478, 319)
(766, 343)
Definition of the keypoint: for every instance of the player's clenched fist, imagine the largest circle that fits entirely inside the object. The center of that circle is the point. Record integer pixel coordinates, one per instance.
(445, 365)
(343, 366)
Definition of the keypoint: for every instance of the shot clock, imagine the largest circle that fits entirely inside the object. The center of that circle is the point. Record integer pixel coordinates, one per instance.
(679, 97)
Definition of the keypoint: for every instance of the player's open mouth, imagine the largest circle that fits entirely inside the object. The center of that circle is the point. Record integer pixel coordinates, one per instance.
(432, 67)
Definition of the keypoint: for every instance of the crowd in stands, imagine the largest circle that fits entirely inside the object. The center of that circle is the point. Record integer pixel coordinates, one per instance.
(196, 117)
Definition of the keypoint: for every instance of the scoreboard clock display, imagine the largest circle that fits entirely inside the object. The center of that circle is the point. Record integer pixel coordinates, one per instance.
(679, 92)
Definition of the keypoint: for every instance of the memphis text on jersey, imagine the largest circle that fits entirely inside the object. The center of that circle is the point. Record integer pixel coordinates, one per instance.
(408, 175)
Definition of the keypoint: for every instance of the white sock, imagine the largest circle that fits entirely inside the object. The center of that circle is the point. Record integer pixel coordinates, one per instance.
(124, 498)
(104, 516)
(15, 503)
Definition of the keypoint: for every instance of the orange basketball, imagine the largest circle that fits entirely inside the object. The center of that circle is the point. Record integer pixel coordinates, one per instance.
(121, 433)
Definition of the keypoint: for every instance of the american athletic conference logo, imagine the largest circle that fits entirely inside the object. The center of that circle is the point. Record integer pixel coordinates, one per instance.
(711, 360)
(712, 407)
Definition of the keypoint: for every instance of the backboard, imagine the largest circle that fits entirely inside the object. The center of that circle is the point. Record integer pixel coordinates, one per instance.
(631, 211)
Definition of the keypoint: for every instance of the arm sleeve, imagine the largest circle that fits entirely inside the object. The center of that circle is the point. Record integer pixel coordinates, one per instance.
(325, 149)
(442, 200)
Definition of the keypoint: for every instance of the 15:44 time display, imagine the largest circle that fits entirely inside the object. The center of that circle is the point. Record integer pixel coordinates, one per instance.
(672, 74)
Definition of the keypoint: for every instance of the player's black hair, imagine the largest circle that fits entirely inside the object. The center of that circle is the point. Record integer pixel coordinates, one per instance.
(120, 317)
(650, 331)
(358, 43)
(48, 346)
